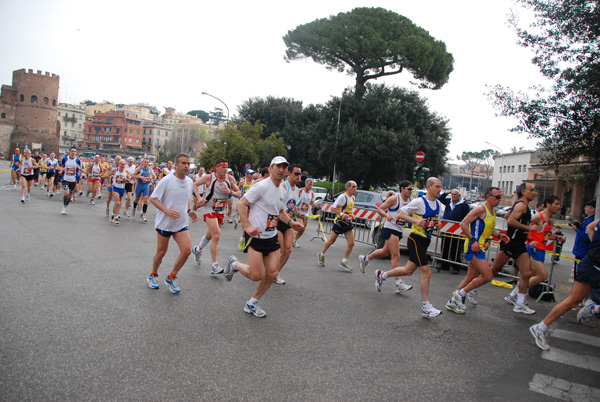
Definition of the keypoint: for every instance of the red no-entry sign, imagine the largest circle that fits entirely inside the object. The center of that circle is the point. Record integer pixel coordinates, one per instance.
(420, 156)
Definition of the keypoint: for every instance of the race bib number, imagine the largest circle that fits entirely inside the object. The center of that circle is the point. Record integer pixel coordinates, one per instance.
(95, 174)
(400, 222)
(304, 208)
(219, 204)
(120, 179)
(70, 172)
(272, 222)
(27, 171)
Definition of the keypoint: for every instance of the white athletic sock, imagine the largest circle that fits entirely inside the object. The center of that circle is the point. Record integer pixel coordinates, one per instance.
(366, 258)
(344, 260)
(252, 300)
(462, 292)
(426, 304)
(203, 242)
(514, 291)
(521, 298)
(543, 327)
(383, 276)
(399, 282)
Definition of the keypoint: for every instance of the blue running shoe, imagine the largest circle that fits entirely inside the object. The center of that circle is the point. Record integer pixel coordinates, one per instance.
(172, 285)
(152, 282)
(255, 309)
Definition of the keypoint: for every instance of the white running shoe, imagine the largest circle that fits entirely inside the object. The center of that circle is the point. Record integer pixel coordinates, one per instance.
(510, 299)
(523, 309)
(92, 202)
(229, 220)
(27, 198)
(430, 311)
(472, 297)
(295, 244)
(126, 213)
(346, 266)
(539, 336)
(460, 301)
(216, 269)
(255, 309)
(321, 259)
(64, 210)
(144, 219)
(586, 312)
(197, 254)
(229, 269)
(362, 263)
(378, 280)
(133, 212)
(402, 287)
(279, 280)
(452, 306)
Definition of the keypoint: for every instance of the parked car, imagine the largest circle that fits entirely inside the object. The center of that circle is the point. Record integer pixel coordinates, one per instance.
(362, 199)
(320, 193)
(502, 211)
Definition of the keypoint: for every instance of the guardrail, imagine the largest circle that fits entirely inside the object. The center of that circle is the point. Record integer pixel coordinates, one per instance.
(447, 244)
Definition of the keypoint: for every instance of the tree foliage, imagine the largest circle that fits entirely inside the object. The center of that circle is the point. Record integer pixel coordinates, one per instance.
(371, 43)
(217, 116)
(201, 114)
(243, 144)
(474, 159)
(566, 118)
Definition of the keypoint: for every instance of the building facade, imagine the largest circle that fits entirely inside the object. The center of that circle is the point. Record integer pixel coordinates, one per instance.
(114, 132)
(28, 112)
(72, 119)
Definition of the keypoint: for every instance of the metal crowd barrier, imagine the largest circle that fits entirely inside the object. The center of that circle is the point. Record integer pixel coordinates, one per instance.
(447, 244)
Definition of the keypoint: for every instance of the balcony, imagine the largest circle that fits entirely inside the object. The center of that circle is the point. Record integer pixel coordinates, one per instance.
(70, 119)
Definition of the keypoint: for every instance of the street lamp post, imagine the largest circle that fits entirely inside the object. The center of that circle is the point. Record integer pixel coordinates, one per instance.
(226, 107)
(501, 163)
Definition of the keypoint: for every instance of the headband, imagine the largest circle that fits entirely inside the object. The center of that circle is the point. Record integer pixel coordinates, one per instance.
(222, 164)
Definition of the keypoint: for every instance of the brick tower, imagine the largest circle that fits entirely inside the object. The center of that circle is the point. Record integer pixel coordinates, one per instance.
(33, 98)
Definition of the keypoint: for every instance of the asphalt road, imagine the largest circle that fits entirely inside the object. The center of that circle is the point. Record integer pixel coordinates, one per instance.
(78, 322)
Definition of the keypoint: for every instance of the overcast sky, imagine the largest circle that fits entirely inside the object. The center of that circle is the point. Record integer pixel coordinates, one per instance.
(166, 53)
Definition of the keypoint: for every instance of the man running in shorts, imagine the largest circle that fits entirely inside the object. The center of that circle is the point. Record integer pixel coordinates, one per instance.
(28, 164)
(479, 226)
(424, 213)
(51, 165)
(218, 185)
(120, 179)
(172, 201)
(392, 231)
(537, 245)
(131, 168)
(284, 231)
(519, 226)
(71, 166)
(587, 279)
(343, 207)
(144, 176)
(266, 199)
(109, 179)
(94, 174)
(15, 165)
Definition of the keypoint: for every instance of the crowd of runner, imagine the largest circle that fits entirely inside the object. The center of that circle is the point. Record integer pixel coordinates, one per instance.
(273, 210)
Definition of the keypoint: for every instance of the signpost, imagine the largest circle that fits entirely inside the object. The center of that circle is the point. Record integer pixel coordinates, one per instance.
(420, 157)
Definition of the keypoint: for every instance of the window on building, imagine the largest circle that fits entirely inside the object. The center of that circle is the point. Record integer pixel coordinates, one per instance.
(107, 139)
(90, 129)
(157, 142)
(45, 100)
(512, 170)
(4, 115)
(58, 114)
(138, 131)
(96, 138)
(33, 99)
(166, 134)
(97, 129)
(137, 141)
(22, 98)
(53, 102)
(79, 126)
(118, 130)
(519, 166)
(107, 129)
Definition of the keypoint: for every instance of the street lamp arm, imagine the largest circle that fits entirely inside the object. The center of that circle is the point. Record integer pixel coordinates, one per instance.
(226, 107)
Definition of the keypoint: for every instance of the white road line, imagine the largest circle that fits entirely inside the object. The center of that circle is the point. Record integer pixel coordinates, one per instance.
(577, 337)
(562, 389)
(572, 359)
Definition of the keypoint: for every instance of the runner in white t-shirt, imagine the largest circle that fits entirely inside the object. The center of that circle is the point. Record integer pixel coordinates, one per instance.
(172, 199)
(266, 199)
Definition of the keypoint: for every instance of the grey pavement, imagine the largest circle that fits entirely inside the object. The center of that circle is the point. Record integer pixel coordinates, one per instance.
(78, 322)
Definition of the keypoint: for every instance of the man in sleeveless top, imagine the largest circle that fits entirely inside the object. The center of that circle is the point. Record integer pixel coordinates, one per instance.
(71, 166)
(28, 164)
(285, 233)
(392, 231)
(479, 226)
(343, 207)
(15, 165)
(519, 226)
(424, 213)
(537, 245)
(587, 279)
(218, 185)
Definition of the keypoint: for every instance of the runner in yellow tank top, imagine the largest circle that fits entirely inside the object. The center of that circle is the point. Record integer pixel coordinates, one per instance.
(478, 227)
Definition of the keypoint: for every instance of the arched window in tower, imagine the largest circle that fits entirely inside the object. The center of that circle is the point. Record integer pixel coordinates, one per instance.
(33, 99)
(45, 100)
(22, 98)
(4, 115)
(53, 102)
